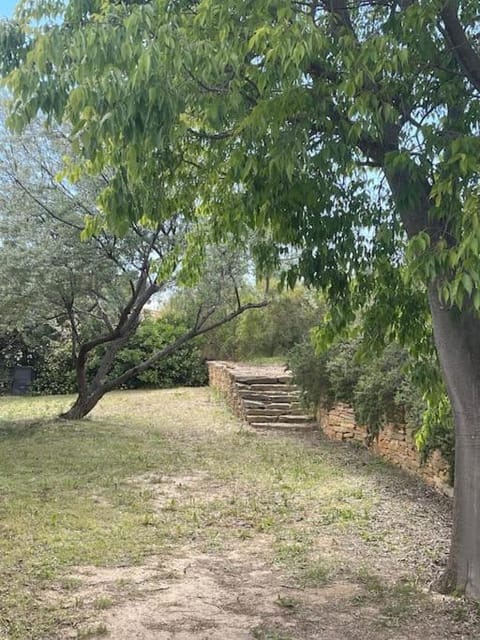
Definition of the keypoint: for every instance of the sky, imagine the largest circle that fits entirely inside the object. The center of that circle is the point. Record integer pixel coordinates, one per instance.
(6, 8)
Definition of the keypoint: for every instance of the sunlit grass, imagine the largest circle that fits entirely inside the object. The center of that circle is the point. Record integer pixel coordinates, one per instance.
(97, 492)
(70, 495)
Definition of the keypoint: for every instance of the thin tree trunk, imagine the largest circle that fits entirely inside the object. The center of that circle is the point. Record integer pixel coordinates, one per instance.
(83, 405)
(90, 393)
(457, 337)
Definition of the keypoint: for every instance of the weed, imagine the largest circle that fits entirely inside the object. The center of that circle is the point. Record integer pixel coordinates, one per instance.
(287, 602)
(70, 584)
(102, 603)
(373, 536)
(96, 631)
(318, 573)
(268, 633)
(343, 513)
(460, 613)
(172, 505)
(292, 553)
(372, 583)
(401, 599)
(395, 602)
(149, 519)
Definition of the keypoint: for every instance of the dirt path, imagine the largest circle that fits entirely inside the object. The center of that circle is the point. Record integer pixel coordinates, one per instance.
(367, 557)
(237, 595)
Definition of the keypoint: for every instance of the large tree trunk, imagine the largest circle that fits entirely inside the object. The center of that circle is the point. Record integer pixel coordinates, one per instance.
(82, 405)
(457, 337)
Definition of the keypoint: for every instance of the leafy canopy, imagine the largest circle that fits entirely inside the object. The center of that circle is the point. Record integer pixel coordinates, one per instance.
(328, 124)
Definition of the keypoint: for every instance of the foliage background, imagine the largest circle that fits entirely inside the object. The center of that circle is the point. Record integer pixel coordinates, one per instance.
(381, 388)
(54, 370)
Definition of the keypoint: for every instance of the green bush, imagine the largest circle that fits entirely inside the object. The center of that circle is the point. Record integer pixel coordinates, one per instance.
(15, 350)
(375, 395)
(54, 372)
(268, 332)
(327, 377)
(185, 367)
(380, 387)
(50, 359)
(311, 374)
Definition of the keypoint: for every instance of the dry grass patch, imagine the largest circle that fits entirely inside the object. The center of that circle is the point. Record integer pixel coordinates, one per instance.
(161, 517)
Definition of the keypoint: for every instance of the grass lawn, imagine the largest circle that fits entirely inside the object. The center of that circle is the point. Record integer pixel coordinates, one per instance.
(161, 509)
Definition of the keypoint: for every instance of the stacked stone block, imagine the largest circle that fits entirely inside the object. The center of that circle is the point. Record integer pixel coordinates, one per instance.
(395, 443)
(266, 397)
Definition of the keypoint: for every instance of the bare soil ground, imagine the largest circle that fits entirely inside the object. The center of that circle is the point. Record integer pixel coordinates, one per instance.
(374, 586)
(269, 537)
(238, 593)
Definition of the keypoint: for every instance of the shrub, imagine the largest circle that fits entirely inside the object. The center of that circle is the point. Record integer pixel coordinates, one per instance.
(50, 359)
(185, 367)
(54, 372)
(375, 395)
(268, 332)
(380, 387)
(311, 374)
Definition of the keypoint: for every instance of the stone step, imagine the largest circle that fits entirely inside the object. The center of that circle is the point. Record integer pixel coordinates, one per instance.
(256, 380)
(272, 402)
(253, 404)
(280, 387)
(258, 412)
(283, 405)
(296, 418)
(289, 416)
(268, 388)
(256, 418)
(282, 379)
(268, 397)
(273, 405)
(286, 419)
(287, 426)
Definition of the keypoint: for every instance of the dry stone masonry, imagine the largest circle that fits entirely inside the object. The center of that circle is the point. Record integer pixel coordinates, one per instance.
(266, 398)
(395, 443)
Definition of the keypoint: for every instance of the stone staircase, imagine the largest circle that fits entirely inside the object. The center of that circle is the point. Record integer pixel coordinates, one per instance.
(266, 398)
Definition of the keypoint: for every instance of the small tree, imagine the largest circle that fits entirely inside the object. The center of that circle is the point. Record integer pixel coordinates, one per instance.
(91, 292)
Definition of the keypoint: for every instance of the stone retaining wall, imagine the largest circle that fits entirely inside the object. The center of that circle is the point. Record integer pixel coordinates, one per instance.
(395, 443)
(221, 378)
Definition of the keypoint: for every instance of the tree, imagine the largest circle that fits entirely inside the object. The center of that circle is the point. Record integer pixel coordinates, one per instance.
(347, 129)
(93, 292)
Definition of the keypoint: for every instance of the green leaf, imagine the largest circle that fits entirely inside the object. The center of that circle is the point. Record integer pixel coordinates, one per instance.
(467, 283)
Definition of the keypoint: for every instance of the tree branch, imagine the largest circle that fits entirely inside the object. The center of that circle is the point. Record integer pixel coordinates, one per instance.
(203, 135)
(42, 205)
(467, 57)
(189, 335)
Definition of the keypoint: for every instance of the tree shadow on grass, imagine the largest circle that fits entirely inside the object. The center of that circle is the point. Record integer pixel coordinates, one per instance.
(382, 474)
(18, 429)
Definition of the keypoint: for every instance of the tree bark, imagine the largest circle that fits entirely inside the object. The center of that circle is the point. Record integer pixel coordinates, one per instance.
(90, 394)
(82, 406)
(457, 337)
(466, 55)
